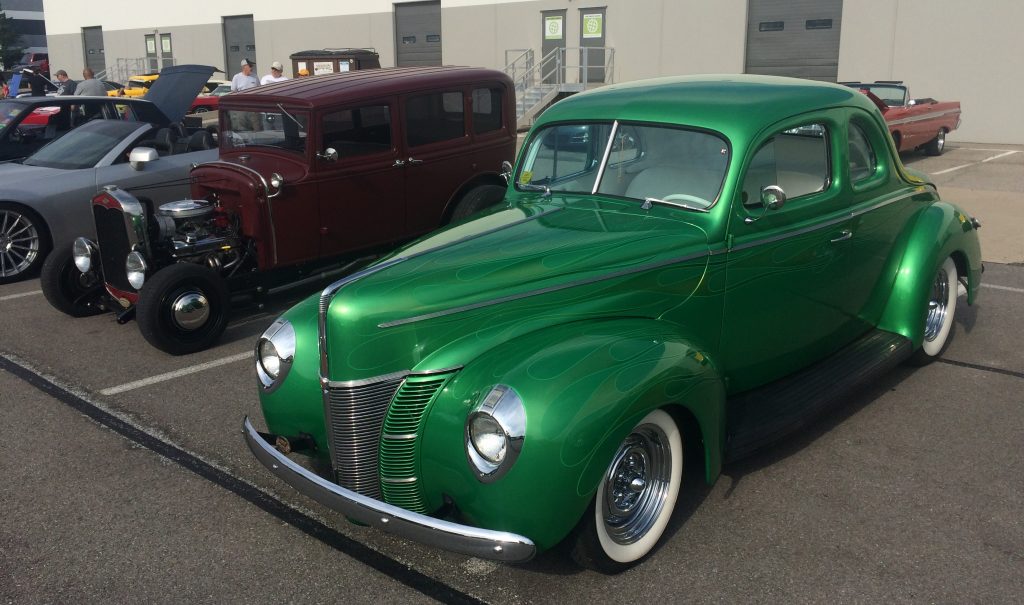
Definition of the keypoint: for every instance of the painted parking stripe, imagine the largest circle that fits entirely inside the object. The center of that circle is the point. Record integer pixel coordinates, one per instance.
(989, 159)
(1007, 288)
(145, 382)
(22, 295)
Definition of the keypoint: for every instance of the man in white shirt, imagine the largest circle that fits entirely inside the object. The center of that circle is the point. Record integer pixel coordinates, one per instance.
(275, 74)
(244, 79)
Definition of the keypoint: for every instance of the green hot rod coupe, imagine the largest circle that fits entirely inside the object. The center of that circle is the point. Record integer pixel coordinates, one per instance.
(705, 262)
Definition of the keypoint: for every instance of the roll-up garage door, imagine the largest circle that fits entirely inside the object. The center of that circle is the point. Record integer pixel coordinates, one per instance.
(418, 34)
(798, 38)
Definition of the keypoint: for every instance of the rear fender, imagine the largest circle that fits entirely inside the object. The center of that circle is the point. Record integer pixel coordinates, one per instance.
(584, 386)
(939, 231)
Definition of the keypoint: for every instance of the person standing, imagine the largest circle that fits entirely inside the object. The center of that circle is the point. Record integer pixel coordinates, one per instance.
(90, 86)
(65, 85)
(244, 79)
(276, 74)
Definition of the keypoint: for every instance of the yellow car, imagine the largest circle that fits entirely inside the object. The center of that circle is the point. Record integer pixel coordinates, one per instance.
(137, 86)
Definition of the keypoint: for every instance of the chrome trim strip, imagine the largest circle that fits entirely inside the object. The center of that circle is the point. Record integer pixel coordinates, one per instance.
(348, 384)
(266, 190)
(330, 291)
(931, 116)
(885, 201)
(407, 437)
(530, 293)
(438, 533)
(401, 481)
(604, 158)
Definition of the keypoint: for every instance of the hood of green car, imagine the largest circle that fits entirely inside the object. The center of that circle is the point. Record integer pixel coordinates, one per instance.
(517, 268)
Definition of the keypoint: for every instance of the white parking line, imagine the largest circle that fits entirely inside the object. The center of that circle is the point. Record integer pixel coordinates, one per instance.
(22, 295)
(1007, 288)
(145, 382)
(989, 159)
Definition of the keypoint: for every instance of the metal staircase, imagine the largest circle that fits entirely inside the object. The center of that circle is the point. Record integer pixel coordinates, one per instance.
(563, 70)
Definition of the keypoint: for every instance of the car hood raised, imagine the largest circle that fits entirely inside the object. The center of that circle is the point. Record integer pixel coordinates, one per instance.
(176, 88)
(558, 261)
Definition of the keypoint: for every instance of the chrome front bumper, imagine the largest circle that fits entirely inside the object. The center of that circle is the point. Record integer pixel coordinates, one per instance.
(464, 539)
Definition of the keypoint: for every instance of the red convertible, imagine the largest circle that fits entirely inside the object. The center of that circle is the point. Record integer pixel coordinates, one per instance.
(913, 123)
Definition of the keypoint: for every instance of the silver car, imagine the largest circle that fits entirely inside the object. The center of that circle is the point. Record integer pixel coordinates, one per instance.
(44, 199)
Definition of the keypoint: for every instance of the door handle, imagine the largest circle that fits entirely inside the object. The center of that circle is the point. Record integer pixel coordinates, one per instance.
(844, 235)
(414, 161)
(399, 163)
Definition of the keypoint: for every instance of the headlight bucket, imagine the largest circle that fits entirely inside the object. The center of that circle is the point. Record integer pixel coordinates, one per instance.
(135, 266)
(494, 433)
(275, 352)
(83, 251)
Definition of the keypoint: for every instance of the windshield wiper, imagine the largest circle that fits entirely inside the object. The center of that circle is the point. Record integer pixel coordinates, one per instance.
(649, 201)
(298, 123)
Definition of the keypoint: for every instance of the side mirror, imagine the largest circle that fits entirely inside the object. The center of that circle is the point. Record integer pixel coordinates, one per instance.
(330, 154)
(506, 171)
(772, 198)
(912, 102)
(140, 156)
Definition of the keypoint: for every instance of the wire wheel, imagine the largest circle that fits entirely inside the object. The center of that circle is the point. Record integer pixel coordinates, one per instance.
(636, 485)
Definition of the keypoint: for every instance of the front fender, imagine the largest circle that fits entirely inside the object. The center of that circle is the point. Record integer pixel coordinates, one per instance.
(584, 386)
(941, 230)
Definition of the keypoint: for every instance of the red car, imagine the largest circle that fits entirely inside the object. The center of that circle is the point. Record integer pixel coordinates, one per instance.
(914, 123)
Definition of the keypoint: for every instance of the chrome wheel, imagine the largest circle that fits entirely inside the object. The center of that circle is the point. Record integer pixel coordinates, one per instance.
(636, 485)
(938, 306)
(940, 141)
(190, 310)
(19, 243)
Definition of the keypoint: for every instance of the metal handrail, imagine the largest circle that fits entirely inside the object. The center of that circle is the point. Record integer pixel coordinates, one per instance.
(553, 68)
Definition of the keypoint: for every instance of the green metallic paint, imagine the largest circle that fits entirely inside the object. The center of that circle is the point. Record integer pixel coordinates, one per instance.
(597, 311)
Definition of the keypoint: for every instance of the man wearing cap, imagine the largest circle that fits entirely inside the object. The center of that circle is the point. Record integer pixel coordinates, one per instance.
(275, 74)
(244, 79)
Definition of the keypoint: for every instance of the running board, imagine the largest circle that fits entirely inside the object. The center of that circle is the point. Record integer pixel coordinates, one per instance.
(764, 415)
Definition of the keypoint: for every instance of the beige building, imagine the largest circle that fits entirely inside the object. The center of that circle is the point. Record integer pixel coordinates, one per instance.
(944, 49)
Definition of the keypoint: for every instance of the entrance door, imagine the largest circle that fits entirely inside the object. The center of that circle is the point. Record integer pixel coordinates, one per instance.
(553, 39)
(239, 42)
(418, 33)
(592, 29)
(797, 38)
(92, 43)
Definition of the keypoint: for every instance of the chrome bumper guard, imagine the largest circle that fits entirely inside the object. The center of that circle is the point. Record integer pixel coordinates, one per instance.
(464, 539)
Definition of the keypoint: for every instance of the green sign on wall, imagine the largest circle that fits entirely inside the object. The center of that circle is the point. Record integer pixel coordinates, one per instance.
(593, 25)
(553, 28)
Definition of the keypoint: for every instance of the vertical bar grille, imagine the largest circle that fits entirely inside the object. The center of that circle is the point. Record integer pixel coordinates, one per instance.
(399, 444)
(356, 414)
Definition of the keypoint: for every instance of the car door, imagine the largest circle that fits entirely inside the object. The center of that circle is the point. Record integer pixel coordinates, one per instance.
(362, 189)
(784, 277)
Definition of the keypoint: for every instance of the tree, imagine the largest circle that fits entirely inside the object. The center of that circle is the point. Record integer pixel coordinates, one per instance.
(11, 48)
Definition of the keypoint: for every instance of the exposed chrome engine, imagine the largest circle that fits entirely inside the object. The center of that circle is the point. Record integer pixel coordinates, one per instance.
(199, 231)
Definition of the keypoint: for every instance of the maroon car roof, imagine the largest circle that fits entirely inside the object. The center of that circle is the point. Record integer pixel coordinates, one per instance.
(317, 90)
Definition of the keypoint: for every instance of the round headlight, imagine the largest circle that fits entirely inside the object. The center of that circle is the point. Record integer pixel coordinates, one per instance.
(275, 351)
(488, 438)
(81, 250)
(135, 267)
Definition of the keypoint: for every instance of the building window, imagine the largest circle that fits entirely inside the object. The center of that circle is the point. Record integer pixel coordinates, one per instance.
(818, 24)
(771, 26)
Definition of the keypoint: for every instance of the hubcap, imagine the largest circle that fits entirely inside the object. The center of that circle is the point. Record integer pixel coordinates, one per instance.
(937, 306)
(19, 243)
(941, 140)
(636, 484)
(190, 310)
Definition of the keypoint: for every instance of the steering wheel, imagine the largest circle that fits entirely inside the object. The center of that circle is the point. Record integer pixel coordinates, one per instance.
(682, 197)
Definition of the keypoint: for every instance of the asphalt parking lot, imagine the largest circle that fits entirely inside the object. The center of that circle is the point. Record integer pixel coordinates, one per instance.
(124, 477)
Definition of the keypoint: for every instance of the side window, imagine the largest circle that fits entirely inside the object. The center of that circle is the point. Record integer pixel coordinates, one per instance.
(486, 110)
(434, 117)
(862, 157)
(358, 131)
(795, 159)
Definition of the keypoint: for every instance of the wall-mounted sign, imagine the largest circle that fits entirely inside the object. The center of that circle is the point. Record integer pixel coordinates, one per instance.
(323, 67)
(554, 28)
(593, 25)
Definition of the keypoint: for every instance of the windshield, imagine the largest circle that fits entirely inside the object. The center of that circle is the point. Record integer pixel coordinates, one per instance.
(83, 147)
(644, 162)
(280, 129)
(893, 96)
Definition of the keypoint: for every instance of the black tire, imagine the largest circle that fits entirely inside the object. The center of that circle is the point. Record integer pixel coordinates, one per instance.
(938, 315)
(24, 242)
(937, 145)
(167, 330)
(477, 199)
(620, 529)
(69, 290)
